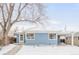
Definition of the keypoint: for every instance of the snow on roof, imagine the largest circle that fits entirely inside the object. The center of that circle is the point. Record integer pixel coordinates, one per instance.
(59, 32)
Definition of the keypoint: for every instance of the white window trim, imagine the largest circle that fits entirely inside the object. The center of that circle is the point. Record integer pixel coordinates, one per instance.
(51, 39)
(27, 38)
(56, 36)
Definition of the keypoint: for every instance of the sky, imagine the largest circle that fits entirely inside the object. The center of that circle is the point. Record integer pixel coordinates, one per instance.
(61, 16)
(64, 15)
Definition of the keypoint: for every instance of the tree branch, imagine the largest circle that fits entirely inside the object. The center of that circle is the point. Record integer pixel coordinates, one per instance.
(1, 24)
(10, 12)
(19, 12)
(23, 7)
(3, 13)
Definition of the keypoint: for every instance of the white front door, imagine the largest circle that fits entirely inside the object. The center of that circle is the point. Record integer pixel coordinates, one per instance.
(21, 38)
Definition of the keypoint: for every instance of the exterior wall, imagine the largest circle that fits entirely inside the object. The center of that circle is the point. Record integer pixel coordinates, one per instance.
(68, 40)
(76, 41)
(41, 39)
(63, 37)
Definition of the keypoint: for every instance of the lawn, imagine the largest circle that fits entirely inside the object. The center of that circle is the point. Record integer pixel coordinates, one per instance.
(42, 50)
(49, 50)
(6, 48)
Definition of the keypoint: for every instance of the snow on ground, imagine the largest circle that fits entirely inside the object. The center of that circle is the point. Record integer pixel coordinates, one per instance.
(6, 48)
(49, 50)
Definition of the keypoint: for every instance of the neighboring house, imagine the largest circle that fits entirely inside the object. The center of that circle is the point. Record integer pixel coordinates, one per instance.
(76, 38)
(45, 38)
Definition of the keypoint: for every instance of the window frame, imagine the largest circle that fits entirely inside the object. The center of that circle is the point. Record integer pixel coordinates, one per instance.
(21, 37)
(49, 36)
(30, 38)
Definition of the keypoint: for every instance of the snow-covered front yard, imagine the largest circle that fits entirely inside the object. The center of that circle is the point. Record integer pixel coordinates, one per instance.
(43, 50)
(6, 48)
(49, 50)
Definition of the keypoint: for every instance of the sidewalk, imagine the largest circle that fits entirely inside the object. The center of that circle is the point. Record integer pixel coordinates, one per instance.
(14, 50)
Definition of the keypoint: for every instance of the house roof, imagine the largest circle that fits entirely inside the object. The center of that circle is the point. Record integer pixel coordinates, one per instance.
(45, 31)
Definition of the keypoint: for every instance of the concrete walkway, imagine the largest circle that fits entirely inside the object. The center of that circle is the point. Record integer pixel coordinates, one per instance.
(14, 50)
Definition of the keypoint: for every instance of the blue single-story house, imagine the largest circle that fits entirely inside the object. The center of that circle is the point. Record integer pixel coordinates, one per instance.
(41, 37)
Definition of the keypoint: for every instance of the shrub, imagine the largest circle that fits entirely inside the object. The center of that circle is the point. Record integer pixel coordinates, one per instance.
(0, 42)
(12, 40)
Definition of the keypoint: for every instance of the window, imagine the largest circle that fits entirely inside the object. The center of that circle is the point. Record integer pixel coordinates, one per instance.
(30, 36)
(21, 37)
(52, 36)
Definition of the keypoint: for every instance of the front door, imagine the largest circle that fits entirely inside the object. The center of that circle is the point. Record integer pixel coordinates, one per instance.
(21, 38)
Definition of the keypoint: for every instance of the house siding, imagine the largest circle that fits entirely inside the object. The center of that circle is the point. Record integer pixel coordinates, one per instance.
(41, 39)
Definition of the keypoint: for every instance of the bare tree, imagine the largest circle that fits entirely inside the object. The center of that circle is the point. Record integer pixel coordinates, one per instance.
(12, 13)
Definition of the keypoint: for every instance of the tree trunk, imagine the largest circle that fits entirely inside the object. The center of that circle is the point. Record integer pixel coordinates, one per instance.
(5, 39)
